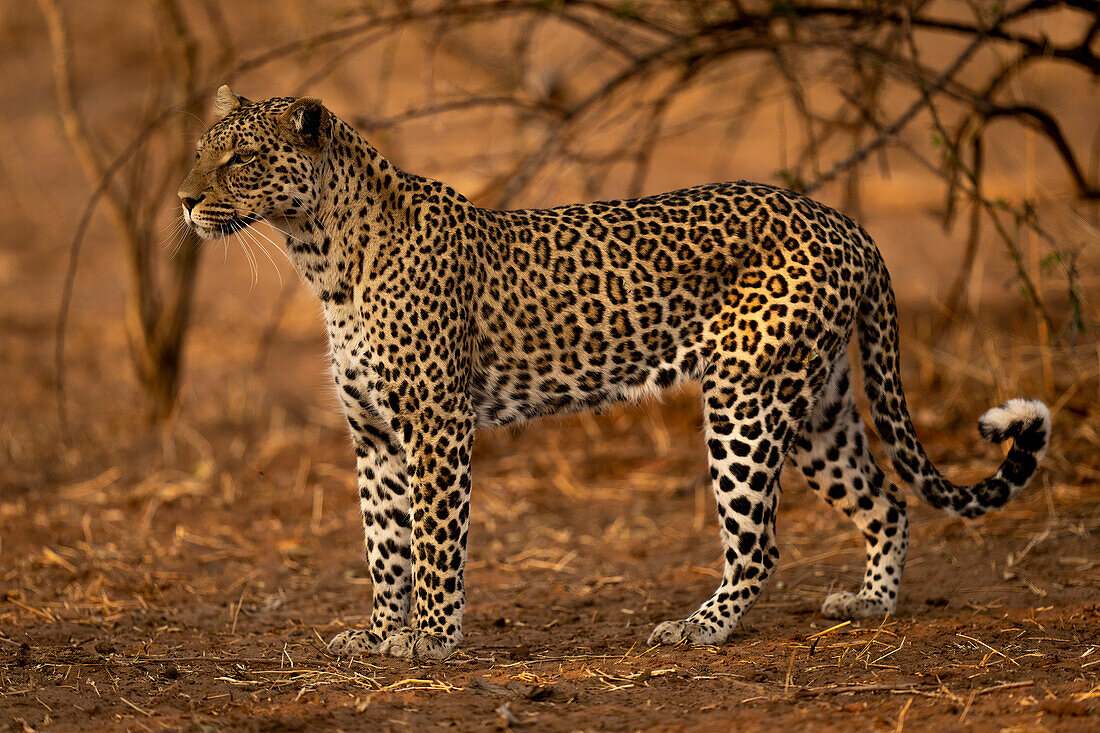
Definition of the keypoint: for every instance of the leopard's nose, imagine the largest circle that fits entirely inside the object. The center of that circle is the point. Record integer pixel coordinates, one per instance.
(190, 202)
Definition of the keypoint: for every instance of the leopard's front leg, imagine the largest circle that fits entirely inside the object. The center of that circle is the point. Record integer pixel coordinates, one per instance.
(438, 452)
(384, 501)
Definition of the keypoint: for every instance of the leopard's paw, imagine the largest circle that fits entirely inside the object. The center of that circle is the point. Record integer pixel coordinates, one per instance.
(353, 643)
(412, 644)
(845, 605)
(673, 632)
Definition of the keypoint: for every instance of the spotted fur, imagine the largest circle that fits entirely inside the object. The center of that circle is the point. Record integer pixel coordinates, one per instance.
(445, 317)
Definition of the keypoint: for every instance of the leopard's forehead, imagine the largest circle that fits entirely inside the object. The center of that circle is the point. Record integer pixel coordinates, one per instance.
(252, 120)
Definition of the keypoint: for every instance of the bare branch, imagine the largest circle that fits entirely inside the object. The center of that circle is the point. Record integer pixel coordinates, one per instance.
(890, 131)
(1045, 123)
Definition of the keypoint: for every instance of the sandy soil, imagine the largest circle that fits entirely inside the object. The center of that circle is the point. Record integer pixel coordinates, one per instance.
(200, 598)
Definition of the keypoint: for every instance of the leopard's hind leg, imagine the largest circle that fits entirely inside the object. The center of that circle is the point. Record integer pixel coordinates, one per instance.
(832, 453)
(751, 424)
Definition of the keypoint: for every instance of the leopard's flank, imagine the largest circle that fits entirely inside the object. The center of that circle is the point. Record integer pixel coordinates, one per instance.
(445, 317)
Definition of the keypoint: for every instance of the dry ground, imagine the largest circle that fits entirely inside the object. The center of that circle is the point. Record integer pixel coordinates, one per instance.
(198, 596)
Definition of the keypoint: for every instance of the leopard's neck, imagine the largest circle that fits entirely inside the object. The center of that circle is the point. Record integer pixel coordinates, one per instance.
(359, 202)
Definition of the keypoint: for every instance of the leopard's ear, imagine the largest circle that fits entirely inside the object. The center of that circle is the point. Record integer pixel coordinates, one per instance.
(308, 122)
(226, 100)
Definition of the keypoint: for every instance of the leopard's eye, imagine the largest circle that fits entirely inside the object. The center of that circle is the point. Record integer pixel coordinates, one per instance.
(241, 158)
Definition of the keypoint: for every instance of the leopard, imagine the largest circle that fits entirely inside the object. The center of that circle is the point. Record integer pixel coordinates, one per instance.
(445, 318)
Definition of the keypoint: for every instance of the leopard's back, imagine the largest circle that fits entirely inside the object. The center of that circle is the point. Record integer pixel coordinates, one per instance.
(585, 305)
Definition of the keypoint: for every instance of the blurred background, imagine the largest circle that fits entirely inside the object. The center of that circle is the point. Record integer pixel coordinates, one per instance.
(963, 135)
(164, 397)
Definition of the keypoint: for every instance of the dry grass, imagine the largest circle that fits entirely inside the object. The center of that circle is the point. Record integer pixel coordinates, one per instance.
(202, 590)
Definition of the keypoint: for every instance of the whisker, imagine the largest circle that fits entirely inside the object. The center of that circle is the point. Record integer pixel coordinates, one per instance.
(173, 243)
(313, 217)
(277, 246)
(253, 269)
(255, 236)
(177, 226)
(180, 241)
(282, 250)
(175, 221)
(202, 122)
(255, 266)
(285, 233)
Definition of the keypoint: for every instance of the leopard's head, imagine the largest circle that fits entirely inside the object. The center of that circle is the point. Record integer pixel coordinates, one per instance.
(259, 161)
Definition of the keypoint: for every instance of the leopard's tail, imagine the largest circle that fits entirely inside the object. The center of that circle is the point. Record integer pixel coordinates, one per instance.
(1026, 422)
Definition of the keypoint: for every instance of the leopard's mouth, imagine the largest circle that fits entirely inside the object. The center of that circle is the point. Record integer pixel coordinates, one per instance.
(218, 229)
(231, 227)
